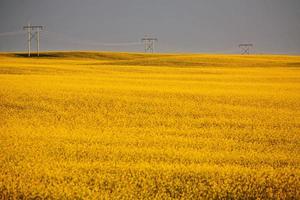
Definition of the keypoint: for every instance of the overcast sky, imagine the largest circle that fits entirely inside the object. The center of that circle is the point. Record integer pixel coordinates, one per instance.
(215, 26)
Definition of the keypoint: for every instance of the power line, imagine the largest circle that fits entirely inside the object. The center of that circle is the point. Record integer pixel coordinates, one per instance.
(148, 42)
(73, 40)
(12, 33)
(70, 39)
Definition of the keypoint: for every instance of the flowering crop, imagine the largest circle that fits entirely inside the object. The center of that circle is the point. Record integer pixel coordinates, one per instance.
(88, 125)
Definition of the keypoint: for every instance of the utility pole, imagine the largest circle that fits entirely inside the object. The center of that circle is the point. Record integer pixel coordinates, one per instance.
(33, 32)
(149, 43)
(245, 48)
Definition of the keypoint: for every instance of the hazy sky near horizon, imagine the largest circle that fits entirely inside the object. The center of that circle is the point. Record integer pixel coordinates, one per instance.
(215, 26)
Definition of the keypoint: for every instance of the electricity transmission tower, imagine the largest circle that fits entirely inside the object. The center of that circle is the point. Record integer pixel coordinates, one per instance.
(245, 48)
(33, 33)
(149, 43)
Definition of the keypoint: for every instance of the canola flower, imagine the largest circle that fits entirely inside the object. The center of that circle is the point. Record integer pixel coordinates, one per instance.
(90, 125)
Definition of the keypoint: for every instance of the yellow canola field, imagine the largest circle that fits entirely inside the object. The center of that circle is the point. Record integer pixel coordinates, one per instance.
(92, 125)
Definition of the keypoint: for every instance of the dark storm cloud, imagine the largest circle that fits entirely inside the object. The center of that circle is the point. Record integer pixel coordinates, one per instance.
(181, 26)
